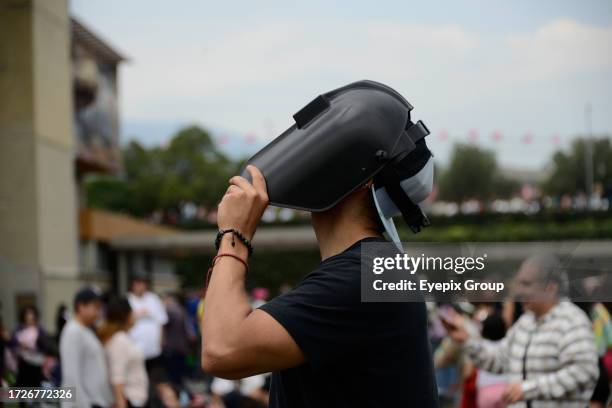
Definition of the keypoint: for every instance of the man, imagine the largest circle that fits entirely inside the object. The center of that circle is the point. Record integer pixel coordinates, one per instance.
(82, 355)
(151, 316)
(177, 337)
(549, 353)
(325, 347)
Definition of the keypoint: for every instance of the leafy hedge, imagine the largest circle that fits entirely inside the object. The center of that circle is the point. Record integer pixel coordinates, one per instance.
(526, 230)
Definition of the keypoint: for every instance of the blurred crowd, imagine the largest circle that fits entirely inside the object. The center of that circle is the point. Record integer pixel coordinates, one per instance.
(187, 212)
(141, 350)
(530, 201)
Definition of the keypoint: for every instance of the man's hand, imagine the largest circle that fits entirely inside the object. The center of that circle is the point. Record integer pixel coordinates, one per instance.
(244, 203)
(513, 393)
(455, 326)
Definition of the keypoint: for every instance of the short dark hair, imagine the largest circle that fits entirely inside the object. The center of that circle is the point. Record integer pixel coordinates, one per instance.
(139, 276)
(24, 312)
(86, 295)
(118, 311)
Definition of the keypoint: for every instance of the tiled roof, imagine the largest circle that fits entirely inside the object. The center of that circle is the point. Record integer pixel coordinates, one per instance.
(93, 43)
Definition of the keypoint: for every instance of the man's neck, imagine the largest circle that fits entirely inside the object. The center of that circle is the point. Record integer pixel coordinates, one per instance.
(335, 233)
(545, 308)
(80, 320)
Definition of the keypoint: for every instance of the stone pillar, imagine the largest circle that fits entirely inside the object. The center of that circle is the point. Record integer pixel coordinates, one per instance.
(123, 278)
(38, 215)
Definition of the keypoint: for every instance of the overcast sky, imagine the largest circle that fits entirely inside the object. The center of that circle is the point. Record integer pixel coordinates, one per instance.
(520, 67)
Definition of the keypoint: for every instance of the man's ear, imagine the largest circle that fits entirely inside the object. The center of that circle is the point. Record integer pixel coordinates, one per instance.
(553, 287)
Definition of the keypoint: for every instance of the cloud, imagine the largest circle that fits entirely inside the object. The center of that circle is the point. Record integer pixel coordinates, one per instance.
(291, 53)
(560, 48)
(283, 54)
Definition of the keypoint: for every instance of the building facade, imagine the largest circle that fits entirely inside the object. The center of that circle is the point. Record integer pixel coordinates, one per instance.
(59, 123)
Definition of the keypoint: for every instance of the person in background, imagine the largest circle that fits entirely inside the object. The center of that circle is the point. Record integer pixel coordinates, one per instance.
(4, 352)
(82, 355)
(150, 315)
(62, 315)
(602, 329)
(259, 297)
(450, 355)
(128, 375)
(490, 386)
(246, 392)
(27, 342)
(549, 354)
(177, 337)
(446, 375)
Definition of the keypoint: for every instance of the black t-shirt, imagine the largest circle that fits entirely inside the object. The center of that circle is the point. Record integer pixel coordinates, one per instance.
(357, 354)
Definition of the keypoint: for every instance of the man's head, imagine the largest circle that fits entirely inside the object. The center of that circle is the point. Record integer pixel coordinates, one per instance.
(342, 139)
(140, 284)
(28, 316)
(540, 282)
(87, 305)
(119, 313)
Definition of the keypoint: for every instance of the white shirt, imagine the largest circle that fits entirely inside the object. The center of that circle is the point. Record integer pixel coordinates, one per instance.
(147, 331)
(84, 366)
(127, 367)
(246, 386)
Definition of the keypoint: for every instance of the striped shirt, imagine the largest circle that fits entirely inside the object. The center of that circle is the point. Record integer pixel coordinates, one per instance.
(553, 357)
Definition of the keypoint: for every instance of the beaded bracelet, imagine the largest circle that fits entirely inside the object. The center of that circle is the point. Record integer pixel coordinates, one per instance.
(235, 233)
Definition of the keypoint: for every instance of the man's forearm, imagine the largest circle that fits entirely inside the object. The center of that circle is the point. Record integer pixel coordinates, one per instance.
(226, 304)
(487, 355)
(235, 342)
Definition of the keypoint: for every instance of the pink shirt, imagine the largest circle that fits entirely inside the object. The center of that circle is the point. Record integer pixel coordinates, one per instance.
(127, 367)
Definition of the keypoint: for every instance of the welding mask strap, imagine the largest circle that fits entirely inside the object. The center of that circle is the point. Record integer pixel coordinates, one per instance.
(411, 212)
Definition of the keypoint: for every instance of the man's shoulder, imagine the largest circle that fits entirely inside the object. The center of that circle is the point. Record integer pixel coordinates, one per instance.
(151, 297)
(571, 315)
(71, 332)
(336, 280)
(71, 327)
(349, 259)
(119, 341)
(120, 337)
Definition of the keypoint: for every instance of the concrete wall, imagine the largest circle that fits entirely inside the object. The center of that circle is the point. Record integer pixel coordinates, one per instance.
(38, 217)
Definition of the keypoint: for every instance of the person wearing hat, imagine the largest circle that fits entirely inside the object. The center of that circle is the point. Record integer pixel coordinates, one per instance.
(82, 356)
(353, 159)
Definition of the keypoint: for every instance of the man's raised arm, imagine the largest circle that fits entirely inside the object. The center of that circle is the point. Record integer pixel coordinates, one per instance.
(236, 341)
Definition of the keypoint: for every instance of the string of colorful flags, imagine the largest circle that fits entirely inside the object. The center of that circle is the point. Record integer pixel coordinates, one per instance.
(223, 138)
(443, 136)
(473, 136)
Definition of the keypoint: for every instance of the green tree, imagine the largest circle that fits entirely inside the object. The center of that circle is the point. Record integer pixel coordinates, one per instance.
(568, 173)
(109, 193)
(190, 167)
(473, 173)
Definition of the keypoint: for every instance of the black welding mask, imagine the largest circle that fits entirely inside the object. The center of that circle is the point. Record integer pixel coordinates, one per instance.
(340, 141)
